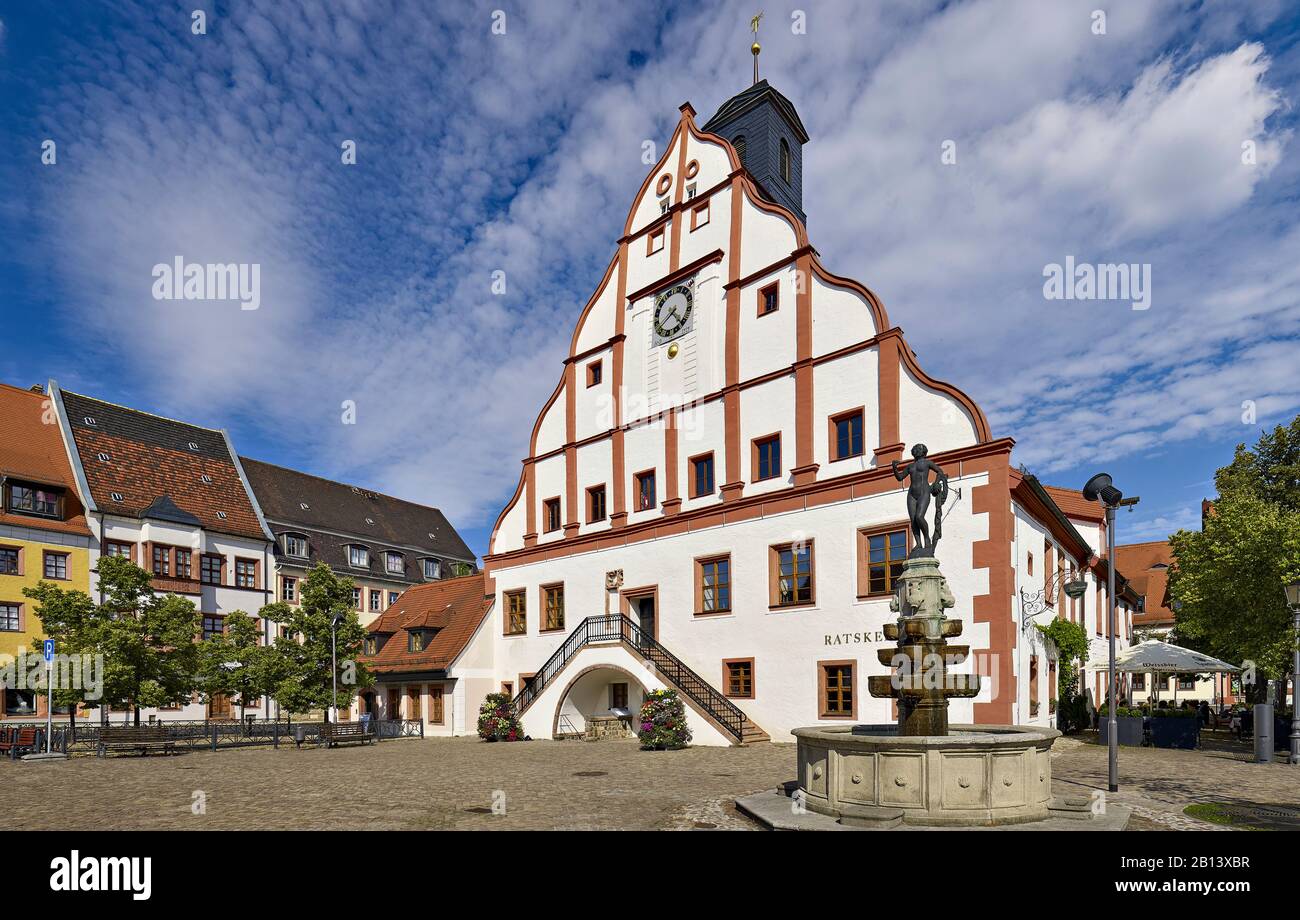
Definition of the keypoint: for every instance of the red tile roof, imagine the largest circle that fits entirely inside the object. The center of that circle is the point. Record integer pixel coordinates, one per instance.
(1074, 505)
(152, 457)
(31, 448)
(455, 607)
(1147, 566)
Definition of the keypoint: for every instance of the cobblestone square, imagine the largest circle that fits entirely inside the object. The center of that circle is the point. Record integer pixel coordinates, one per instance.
(450, 783)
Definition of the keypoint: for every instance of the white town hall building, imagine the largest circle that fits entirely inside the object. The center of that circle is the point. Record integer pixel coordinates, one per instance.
(708, 504)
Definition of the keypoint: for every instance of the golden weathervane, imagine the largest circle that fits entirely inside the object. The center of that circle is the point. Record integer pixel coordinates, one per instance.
(756, 47)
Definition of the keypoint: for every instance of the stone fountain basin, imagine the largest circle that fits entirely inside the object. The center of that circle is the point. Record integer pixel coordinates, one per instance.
(977, 775)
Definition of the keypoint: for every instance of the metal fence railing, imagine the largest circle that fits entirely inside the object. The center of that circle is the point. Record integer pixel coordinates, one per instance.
(199, 734)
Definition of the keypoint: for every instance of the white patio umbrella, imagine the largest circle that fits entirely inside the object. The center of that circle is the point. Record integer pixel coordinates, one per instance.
(1157, 657)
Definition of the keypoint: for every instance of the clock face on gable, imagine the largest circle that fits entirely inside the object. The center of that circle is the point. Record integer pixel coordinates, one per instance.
(673, 312)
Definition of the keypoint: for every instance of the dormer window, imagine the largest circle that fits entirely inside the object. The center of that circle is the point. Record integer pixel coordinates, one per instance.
(358, 557)
(372, 645)
(432, 569)
(295, 545)
(36, 500)
(394, 563)
(194, 445)
(103, 457)
(90, 421)
(115, 496)
(303, 505)
(416, 641)
(206, 479)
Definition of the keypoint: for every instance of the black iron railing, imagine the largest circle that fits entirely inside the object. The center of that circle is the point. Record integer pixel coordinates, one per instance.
(212, 734)
(619, 628)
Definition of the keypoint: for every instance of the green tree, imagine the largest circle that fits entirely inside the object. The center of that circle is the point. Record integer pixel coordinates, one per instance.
(147, 640)
(69, 618)
(1227, 580)
(1071, 641)
(305, 680)
(237, 662)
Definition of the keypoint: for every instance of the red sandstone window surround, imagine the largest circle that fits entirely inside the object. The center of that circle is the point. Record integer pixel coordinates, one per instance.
(769, 298)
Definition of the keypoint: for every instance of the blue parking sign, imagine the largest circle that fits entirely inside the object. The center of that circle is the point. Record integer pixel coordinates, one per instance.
(49, 649)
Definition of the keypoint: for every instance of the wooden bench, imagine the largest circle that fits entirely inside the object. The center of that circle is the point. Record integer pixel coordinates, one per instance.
(16, 740)
(135, 737)
(333, 733)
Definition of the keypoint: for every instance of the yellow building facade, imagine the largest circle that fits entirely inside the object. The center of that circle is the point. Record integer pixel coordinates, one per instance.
(43, 530)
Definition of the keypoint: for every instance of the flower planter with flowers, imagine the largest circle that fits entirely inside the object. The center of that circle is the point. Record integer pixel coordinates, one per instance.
(662, 724)
(497, 720)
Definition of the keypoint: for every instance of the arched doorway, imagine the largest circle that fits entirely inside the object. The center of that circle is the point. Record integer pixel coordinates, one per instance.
(599, 701)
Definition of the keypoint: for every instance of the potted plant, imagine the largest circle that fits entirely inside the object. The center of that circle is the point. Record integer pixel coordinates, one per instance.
(497, 720)
(663, 722)
(1175, 728)
(1128, 725)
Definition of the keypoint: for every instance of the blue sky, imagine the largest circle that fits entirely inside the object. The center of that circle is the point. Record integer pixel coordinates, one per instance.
(520, 153)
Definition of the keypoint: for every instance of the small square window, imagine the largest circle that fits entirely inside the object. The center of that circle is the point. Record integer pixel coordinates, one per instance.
(767, 458)
(358, 557)
(551, 508)
(738, 678)
(792, 575)
(690, 191)
(702, 482)
(595, 504)
(432, 569)
(516, 621)
(713, 585)
(594, 373)
(395, 564)
(836, 686)
(645, 491)
(846, 435)
(56, 566)
(664, 205)
(769, 299)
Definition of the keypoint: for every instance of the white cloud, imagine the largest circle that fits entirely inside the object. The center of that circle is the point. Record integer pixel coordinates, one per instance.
(522, 152)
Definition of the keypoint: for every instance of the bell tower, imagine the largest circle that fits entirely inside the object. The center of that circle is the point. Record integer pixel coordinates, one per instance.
(765, 129)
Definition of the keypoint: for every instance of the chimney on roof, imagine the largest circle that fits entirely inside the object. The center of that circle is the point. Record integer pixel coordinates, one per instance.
(37, 388)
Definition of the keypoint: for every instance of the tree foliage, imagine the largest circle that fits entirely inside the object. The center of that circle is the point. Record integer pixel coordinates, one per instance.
(1227, 581)
(238, 663)
(304, 681)
(147, 640)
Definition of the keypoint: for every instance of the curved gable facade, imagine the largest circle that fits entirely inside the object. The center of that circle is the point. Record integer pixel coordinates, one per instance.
(711, 480)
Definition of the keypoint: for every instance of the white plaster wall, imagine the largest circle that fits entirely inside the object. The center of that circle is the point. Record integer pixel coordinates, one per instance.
(767, 343)
(700, 430)
(551, 433)
(714, 235)
(931, 417)
(838, 386)
(715, 165)
(840, 317)
(594, 405)
(599, 324)
(643, 449)
(767, 238)
(595, 464)
(786, 644)
(550, 478)
(767, 409)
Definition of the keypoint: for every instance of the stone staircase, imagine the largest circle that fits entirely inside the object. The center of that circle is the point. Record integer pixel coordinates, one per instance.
(698, 693)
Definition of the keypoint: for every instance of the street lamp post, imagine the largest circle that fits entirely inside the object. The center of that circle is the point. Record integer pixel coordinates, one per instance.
(1100, 488)
(1293, 599)
(334, 663)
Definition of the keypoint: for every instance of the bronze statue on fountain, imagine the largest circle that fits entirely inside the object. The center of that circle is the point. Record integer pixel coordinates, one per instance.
(919, 678)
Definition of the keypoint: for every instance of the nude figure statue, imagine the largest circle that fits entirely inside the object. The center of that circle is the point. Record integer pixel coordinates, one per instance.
(919, 491)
